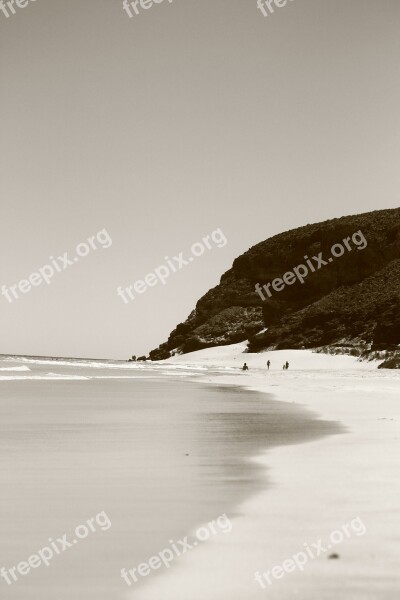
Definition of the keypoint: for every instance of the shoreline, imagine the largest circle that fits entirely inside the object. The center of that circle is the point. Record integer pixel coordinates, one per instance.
(178, 456)
(316, 487)
(302, 484)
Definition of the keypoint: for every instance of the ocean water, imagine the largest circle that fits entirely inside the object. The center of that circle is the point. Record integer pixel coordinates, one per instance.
(152, 448)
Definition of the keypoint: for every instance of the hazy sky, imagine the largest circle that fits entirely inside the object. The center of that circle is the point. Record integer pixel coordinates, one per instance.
(192, 116)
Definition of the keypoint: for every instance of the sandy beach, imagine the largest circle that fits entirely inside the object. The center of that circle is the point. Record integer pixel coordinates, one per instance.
(158, 454)
(317, 487)
(289, 456)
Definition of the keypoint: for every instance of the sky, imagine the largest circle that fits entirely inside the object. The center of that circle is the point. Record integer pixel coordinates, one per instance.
(158, 130)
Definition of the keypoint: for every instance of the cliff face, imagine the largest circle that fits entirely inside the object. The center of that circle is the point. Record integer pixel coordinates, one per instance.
(355, 296)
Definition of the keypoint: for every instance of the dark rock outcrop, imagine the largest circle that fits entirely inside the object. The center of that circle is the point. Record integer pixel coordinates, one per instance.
(355, 297)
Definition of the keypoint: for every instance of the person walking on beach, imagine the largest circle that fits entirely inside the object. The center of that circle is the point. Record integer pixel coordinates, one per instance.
(284, 367)
(287, 365)
(268, 364)
(245, 367)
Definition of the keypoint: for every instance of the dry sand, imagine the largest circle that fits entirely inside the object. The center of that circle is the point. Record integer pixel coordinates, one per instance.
(317, 487)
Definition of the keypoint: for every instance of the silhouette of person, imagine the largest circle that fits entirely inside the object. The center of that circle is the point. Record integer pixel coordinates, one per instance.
(268, 364)
(245, 367)
(287, 364)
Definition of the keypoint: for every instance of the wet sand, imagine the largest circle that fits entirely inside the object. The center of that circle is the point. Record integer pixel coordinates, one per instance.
(71, 449)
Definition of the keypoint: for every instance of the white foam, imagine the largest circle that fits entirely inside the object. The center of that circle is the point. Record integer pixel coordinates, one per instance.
(77, 363)
(48, 377)
(14, 369)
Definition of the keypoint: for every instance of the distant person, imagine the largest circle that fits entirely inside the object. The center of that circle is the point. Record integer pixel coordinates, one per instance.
(268, 364)
(287, 365)
(245, 367)
(284, 367)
